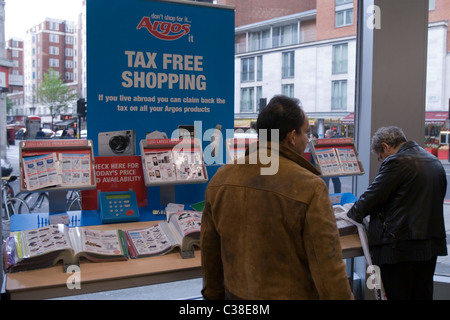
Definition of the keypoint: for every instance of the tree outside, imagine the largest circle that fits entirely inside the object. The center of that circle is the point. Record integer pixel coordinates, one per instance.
(55, 94)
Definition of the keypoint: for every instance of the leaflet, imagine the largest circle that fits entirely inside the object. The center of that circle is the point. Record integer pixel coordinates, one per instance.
(159, 164)
(100, 241)
(328, 161)
(188, 164)
(41, 171)
(151, 241)
(76, 169)
(348, 160)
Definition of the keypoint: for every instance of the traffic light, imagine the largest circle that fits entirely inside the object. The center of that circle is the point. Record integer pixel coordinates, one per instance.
(81, 107)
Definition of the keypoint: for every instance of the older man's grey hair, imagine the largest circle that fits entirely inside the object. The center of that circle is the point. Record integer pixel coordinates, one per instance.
(393, 136)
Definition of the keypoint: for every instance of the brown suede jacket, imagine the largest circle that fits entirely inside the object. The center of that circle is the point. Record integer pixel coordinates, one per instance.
(271, 236)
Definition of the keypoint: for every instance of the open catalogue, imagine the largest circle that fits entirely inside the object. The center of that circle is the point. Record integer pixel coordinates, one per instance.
(182, 229)
(46, 246)
(164, 165)
(57, 169)
(336, 157)
(344, 226)
(338, 161)
(172, 161)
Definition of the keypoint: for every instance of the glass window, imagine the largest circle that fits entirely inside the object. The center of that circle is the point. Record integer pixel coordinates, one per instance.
(255, 41)
(339, 2)
(260, 40)
(343, 13)
(247, 99)
(265, 39)
(431, 4)
(285, 35)
(344, 18)
(340, 58)
(54, 50)
(289, 35)
(258, 94)
(54, 26)
(259, 68)
(248, 69)
(54, 38)
(275, 37)
(54, 63)
(339, 95)
(69, 40)
(287, 90)
(288, 65)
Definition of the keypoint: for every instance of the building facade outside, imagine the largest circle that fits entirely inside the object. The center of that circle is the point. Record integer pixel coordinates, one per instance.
(305, 49)
(14, 53)
(50, 45)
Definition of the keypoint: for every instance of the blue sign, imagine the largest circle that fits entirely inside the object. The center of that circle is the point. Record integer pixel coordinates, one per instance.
(155, 66)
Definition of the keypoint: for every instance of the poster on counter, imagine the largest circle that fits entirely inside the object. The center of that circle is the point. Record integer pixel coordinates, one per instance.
(161, 65)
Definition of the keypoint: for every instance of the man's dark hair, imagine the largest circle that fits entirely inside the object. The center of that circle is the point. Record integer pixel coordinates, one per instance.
(282, 113)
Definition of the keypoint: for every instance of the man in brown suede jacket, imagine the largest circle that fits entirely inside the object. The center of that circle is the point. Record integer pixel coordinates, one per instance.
(268, 229)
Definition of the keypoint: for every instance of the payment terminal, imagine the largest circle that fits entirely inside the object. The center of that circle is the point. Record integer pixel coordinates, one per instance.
(118, 206)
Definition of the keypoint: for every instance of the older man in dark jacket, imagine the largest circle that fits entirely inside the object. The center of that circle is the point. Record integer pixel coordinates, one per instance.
(405, 204)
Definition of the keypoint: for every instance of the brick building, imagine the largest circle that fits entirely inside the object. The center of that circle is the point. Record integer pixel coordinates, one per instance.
(53, 44)
(251, 11)
(14, 52)
(49, 45)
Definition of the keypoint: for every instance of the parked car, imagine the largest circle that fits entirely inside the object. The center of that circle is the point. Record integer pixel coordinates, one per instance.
(58, 134)
(48, 133)
(21, 134)
(7, 168)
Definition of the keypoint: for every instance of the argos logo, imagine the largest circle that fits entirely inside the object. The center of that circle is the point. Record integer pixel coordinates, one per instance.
(164, 30)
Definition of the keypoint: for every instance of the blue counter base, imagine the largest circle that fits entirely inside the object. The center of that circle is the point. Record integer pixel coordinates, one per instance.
(21, 222)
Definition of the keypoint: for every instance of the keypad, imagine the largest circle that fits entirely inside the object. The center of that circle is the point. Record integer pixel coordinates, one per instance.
(118, 207)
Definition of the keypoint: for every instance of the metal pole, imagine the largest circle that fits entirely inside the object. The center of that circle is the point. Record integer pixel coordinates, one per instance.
(3, 62)
(2, 121)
